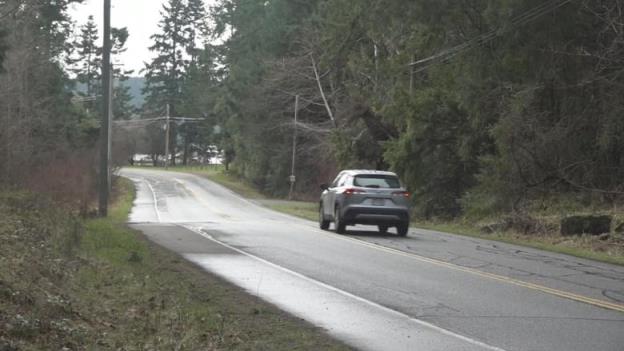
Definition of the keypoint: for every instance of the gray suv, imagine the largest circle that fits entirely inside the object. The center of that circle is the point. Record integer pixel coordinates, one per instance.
(365, 197)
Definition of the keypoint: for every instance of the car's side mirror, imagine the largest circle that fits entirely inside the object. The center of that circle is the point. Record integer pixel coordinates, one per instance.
(324, 186)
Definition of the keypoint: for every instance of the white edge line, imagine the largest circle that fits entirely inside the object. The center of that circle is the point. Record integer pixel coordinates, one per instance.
(350, 295)
(155, 200)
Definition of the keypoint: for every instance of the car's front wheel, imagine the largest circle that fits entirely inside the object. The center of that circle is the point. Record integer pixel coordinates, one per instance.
(383, 229)
(323, 223)
(340, 226)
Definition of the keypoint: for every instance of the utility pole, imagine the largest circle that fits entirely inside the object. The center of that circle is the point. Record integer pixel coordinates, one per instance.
(292, 177)
(111, 89)
(167, 125)
(104, 178)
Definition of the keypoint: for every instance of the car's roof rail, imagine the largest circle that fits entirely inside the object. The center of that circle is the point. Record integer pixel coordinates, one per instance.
(367, 171)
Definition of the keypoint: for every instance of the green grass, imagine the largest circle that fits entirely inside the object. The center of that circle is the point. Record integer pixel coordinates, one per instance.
(305, 210)
(177, 303)
(585, 246)
(105, 287)
(109, 238)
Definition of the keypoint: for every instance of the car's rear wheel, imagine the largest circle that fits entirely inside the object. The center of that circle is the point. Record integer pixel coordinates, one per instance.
(323, 223)
(383, 229)
(402, 229)
(340, 226)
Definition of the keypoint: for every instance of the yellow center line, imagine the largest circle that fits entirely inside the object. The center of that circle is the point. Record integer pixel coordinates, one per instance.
(568, 295)
(193, 194)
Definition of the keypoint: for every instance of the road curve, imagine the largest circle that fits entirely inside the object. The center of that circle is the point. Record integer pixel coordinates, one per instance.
(428, 291)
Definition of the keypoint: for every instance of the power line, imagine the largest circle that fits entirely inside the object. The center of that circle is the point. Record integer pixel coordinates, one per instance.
(158, 119)
(520, 20)
(140, 121)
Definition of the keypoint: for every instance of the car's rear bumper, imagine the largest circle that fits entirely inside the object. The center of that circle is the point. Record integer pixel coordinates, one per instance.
(375, 215)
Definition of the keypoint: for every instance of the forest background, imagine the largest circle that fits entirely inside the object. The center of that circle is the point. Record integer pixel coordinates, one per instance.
(482, 107)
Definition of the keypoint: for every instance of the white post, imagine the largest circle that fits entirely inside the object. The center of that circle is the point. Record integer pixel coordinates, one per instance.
(294, 151)
(167, 140)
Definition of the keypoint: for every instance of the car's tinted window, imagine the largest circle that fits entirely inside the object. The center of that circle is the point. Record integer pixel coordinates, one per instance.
(335, 182)
(343, 180)
(376, 181)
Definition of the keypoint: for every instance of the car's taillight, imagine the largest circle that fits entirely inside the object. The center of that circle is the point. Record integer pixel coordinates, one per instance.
(401, 193)
(352, 191)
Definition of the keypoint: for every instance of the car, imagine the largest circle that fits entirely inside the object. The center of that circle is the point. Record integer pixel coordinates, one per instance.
(365, 197)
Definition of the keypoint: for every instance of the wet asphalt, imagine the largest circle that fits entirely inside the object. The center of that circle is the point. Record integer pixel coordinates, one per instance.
(428, 291)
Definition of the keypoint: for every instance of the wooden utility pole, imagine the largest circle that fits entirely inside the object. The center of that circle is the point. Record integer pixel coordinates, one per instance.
(109, 141)
(167, 125)
(294, 151)
(105, 127)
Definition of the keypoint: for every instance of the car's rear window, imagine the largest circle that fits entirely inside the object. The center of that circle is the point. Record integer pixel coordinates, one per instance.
(376, 181)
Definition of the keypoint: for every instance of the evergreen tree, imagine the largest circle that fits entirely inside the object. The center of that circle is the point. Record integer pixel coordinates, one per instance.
(181, 27)
(198, 68)
(122, 99)
(166, 73)
(200, 92)
(478, 105)
(256, 97)
(123, 109)
(197, 28)
(88, 65)
(89, 59)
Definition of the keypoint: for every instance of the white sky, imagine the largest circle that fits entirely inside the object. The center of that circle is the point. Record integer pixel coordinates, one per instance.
(140, 16)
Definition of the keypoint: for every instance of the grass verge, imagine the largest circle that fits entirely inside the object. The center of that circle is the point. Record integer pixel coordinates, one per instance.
(585, 246)
(610, 250)
(301, 209)
(98, 285)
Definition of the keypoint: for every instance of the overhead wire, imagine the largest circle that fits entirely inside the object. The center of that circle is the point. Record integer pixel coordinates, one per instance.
(139, 121)
(157, 119)
(520, 20)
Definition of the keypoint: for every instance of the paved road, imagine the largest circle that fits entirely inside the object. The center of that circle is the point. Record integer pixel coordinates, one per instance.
(428, 291)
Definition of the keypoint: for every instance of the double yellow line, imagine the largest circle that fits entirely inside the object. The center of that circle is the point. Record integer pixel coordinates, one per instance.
(500, 278)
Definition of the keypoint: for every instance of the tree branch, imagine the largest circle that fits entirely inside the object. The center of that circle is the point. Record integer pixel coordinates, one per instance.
(320, 86)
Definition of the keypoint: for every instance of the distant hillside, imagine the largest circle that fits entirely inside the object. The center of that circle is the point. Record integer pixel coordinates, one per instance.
(136, 85)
